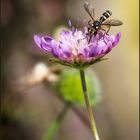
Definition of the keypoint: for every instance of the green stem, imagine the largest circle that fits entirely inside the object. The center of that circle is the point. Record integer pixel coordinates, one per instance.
(88, 106)
(56, 124)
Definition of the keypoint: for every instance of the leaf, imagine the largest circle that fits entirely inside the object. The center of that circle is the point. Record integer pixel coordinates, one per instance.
(69, 87)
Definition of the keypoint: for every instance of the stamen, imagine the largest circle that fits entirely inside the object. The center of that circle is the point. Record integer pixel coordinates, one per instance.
(73, 30)
(69, 23)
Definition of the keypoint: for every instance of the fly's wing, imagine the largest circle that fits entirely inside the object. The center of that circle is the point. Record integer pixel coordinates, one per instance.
(112, 22)
(89, 9)
(82, 23)
(105, 27)
(79, 24)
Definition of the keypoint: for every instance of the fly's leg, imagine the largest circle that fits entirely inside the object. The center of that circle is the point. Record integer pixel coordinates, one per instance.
(108, 30)
(89, 22)
(90, 36)
(104, 32)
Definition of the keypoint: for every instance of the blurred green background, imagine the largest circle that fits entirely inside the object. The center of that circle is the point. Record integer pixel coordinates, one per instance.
(28, 104)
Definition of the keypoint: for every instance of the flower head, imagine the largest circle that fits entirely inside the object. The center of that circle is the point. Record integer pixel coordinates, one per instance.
(74, 49)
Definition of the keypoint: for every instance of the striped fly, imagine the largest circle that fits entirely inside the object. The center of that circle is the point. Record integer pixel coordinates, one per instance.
(103, 22)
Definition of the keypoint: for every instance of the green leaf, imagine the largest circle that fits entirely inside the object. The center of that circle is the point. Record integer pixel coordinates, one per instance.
(69, 87)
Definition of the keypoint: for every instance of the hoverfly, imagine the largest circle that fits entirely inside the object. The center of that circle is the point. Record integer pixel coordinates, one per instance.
(95, 25)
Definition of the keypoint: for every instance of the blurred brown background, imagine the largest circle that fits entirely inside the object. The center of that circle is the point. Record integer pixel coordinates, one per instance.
(27, 111)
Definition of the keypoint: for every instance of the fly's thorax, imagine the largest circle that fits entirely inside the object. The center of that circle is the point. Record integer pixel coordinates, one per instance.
(96, 25)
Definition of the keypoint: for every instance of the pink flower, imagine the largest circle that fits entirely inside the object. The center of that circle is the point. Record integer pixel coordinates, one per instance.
(74, 49)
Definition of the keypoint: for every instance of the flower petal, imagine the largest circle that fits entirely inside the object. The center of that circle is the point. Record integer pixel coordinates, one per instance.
(43, 42)
(117, 39)
(46, 43)
(37, 40)
(55, 48)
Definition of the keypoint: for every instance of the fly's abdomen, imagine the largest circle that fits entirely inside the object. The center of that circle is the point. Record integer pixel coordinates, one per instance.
(105, 15)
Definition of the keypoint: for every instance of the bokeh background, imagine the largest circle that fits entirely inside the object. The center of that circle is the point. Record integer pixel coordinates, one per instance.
(29, 104)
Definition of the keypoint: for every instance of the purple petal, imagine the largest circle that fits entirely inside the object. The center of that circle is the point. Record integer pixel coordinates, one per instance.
(102, 48)
(64, 56)
(117, 39)
(43, 42)
(46, 43)
(86, 51)
(97, 37)
(67, 52)
(55, 48)
(113, 39)
(93, 52)
(37, 40)
(64, 32)
(47, 38)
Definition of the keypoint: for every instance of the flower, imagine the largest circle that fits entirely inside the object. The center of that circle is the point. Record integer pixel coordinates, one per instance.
(74, 49)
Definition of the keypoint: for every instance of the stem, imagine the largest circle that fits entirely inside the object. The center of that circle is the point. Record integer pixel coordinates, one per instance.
(88, 106)
(56, 124)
